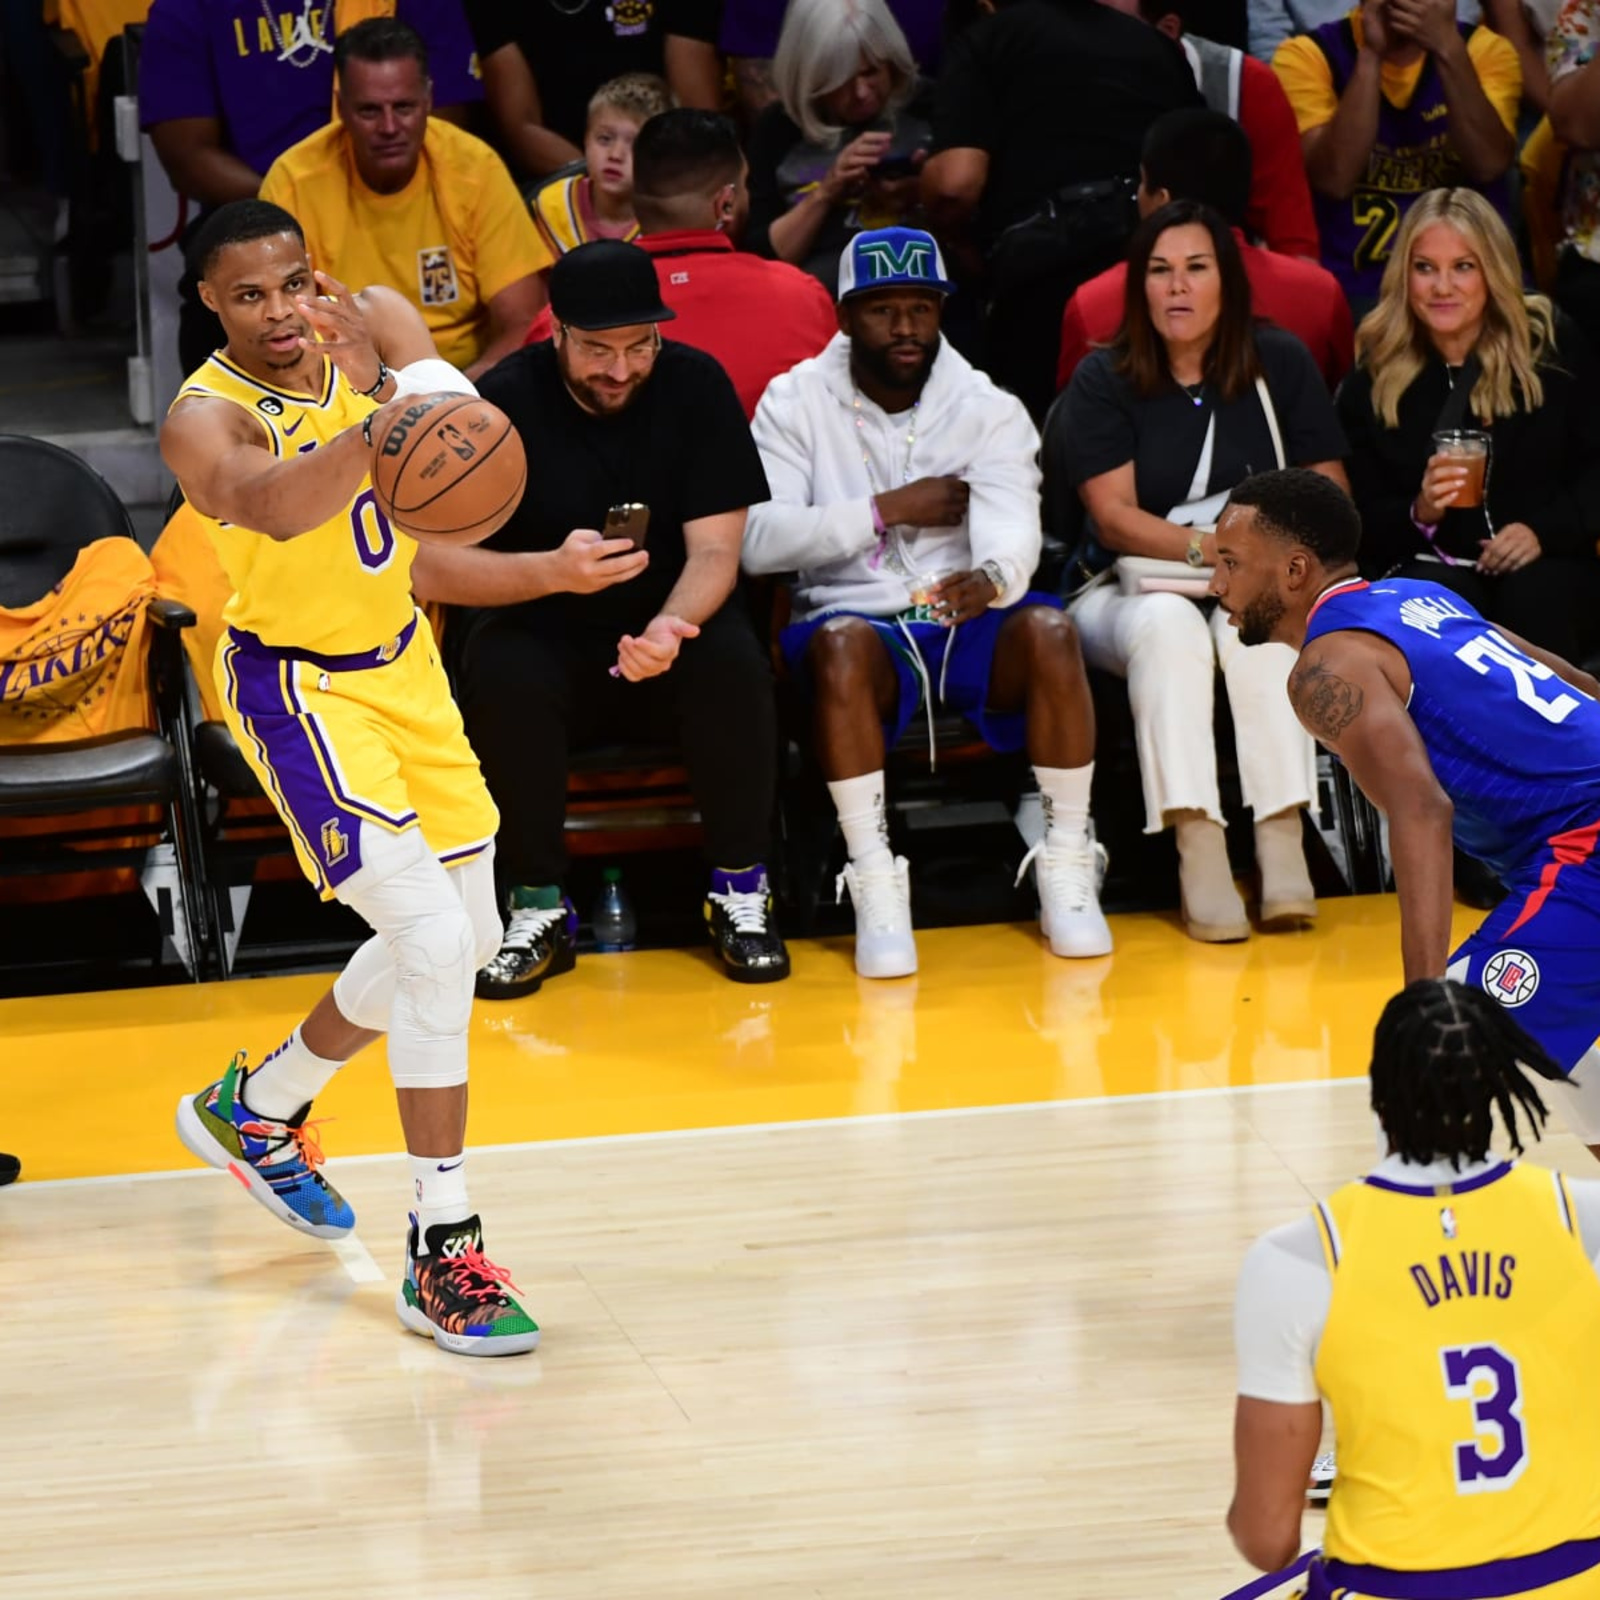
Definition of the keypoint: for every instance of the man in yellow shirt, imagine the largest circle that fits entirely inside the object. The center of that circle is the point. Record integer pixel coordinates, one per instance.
(388, 194)
(1393, 100)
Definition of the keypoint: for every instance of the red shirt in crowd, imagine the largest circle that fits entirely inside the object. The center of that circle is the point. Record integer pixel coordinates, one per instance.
(1299, 296)
(1280, 212)
(756, 317)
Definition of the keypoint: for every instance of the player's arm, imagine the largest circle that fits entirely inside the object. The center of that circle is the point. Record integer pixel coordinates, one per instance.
(1349, 691)
(1274, 1446)
(228, 470)
(1563, 669)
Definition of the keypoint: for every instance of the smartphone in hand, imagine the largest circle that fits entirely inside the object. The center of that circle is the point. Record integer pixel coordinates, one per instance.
(629, 521)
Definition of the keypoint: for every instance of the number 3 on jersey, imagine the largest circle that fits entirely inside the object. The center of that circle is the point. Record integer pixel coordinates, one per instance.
(1489, 649)
(1497, 1454)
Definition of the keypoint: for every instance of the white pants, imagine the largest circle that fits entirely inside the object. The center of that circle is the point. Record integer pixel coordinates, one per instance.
(1163, 646)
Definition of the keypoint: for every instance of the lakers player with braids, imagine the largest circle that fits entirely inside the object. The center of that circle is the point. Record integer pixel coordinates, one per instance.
(1447, 1309)
(334, 691)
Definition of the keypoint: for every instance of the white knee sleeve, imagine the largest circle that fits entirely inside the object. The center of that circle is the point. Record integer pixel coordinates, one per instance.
(429, 943)
(474, 881)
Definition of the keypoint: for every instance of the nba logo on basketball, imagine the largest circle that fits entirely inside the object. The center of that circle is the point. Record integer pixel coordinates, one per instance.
(335, 846)
(1511, 976)
(436, 276)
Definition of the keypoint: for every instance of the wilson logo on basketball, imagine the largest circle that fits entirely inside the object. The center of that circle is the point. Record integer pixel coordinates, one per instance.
(394, 441)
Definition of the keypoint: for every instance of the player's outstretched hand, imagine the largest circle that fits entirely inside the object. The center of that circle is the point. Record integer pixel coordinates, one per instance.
(341, 331)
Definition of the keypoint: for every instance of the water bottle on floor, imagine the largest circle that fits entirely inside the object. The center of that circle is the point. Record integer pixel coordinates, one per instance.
(615, 926)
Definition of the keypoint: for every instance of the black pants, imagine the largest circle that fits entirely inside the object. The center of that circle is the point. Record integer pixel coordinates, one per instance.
(531, 697)
(1553, 603)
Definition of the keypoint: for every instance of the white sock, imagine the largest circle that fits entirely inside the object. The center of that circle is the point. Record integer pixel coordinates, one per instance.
(439, 1184)
(863, 818)
(1065, 793)
(291, 1077)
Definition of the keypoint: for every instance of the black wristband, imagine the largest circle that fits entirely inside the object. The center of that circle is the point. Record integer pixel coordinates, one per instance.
(383, 378)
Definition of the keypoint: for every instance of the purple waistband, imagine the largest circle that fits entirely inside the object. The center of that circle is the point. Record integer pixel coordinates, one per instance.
(1492, 1580)
(379, 657)
(1269, 1581)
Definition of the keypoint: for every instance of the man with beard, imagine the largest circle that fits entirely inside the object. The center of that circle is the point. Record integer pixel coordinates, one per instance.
(905, 494)
(1449, 726)
(573, 636)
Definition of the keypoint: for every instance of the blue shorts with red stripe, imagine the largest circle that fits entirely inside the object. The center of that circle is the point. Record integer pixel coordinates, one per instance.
(1538, 952)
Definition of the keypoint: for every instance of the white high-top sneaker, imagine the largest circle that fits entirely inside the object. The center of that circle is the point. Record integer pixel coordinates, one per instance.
(881, 895)
(1068, 873)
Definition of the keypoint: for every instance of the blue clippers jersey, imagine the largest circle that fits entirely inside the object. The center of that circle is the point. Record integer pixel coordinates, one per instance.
(1515, 747)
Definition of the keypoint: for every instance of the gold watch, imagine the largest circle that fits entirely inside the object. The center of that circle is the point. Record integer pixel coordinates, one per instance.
(1195, 555)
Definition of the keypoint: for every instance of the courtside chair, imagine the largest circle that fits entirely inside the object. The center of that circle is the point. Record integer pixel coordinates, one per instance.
(112, 798)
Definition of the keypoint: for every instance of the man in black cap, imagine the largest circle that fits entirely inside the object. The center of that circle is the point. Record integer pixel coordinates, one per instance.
(568, 632)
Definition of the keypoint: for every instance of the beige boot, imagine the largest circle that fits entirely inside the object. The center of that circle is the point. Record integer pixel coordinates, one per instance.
(1212, 909)
(1287, 898)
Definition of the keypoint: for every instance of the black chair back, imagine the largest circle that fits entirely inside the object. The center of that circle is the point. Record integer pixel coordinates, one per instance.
(52, 504)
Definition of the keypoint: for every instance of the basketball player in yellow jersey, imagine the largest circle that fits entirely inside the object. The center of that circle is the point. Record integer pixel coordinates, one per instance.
(1447, 1307)
(335, 694)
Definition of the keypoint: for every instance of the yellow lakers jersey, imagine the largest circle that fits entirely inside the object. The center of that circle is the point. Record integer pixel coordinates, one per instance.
(1459, 1359)
(339, 589)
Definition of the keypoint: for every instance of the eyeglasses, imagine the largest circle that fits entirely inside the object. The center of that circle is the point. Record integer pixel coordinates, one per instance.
(636, 355)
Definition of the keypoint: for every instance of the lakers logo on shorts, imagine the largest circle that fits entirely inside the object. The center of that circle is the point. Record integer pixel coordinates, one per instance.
(1511, 976)
(335, 846)
(388, 651)
(436, 276)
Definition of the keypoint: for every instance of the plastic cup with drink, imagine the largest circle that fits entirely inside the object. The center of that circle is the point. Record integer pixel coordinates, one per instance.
(1469, 448)
(923, 603)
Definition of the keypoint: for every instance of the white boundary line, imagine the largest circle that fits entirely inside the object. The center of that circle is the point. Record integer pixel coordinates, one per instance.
(356, 1259)
(867, 1119)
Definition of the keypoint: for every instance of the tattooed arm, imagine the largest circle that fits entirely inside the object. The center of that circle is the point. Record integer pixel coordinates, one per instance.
(1349, 691)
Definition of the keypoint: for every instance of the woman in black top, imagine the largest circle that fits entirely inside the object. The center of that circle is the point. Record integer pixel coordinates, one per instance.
(1153, 433)
(1454, 342)
(840, 149)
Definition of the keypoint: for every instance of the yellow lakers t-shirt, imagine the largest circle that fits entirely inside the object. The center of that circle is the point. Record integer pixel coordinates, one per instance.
(1307, 79)
(343, 587)
(450, 241)
(1458, 1358)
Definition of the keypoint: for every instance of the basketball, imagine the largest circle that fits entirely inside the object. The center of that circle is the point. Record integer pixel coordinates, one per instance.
(448, 468)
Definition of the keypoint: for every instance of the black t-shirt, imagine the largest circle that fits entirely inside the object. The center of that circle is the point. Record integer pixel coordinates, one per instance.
(683, 448)
(1057, 92)
(1102, 423)
(573, 46)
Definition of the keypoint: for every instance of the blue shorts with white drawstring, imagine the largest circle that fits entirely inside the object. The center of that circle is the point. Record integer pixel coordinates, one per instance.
(955, 664)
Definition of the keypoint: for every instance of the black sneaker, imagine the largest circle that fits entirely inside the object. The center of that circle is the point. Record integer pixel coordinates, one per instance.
(10, 1170)
(538, 944)
(739, 915)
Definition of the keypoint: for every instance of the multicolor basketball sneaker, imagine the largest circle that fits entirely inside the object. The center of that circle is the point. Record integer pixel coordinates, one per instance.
(456, 1296)
(277, 1162)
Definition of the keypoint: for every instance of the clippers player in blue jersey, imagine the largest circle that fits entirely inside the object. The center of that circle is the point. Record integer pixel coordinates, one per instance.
(1452, 728)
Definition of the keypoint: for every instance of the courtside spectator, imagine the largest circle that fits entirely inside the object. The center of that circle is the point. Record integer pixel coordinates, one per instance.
(749, 39)
(758, 318)
(226, 86)
(1525, 25)
(597, 203)
(1205, 156)
(1037, 99)
(1392, 100)
(389, 194)
(1455, 342)
(543, 62)
(1154, 433)
(840, 149)
(576, 638)
(1273, 21)
(1574, 45)
(1279, 213)
(905, 493)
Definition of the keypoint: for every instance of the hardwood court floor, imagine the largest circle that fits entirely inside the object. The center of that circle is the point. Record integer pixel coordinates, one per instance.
(853, 1291)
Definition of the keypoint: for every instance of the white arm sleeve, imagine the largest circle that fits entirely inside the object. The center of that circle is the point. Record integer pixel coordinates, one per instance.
(1585, 1194)
(432, 376)
(1279, 1313)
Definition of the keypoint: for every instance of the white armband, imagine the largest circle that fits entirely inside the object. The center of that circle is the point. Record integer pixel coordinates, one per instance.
(431, 376)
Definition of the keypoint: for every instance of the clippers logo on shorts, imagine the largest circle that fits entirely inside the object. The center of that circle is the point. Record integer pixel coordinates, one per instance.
(436, 276)
(271, 405)
(335, 846)
(1511, 976)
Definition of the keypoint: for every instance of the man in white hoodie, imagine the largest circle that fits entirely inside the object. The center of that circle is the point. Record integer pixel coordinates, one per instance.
(905, 494)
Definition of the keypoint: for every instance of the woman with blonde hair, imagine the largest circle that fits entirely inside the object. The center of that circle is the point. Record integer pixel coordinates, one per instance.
(1455, 344)
(840, 149)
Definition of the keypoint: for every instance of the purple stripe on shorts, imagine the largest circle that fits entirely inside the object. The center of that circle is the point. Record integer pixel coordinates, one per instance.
(1466, 1186)
(379, 656)
(1269, 1581)
(1492, 1580)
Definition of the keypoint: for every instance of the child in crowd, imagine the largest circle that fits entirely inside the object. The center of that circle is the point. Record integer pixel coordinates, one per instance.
(597, 203)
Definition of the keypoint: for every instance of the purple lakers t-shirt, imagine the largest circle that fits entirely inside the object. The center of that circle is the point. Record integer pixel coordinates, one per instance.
(264, 68)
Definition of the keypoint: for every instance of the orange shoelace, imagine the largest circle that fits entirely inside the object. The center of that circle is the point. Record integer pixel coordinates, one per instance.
(473, 1263)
